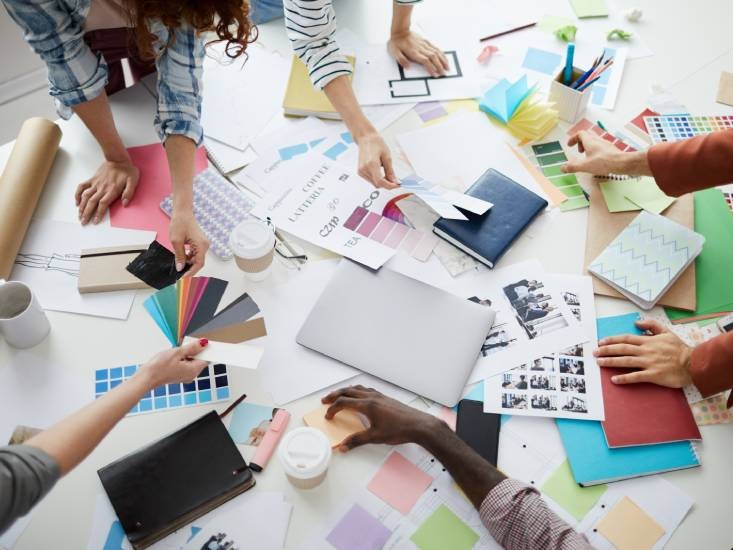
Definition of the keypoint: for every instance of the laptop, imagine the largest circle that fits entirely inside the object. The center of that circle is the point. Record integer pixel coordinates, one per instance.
(399, 329)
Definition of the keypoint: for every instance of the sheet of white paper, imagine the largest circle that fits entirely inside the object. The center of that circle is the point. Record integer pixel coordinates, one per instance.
(48, 262)
(236, 106)
(467, 202)
(288, 370)
(107, 530)
(227, 158)
(318, 207)
(431, 195)
(243, 355)
(11, 536)
(563, 382)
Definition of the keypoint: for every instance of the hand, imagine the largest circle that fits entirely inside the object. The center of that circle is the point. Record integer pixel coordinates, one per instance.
(189, 242)
(374, 156)
(175, 365)
(112, 179)
(390, 421)
(600, 155)
(662, 358)
(408, 46)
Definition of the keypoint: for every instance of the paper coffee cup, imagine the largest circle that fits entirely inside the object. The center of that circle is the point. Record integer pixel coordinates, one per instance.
(305, 454)
(253, 245)
(22, 320)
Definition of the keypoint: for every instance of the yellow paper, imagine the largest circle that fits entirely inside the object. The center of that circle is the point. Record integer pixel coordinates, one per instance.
(302, 99)
(342, 425)
(628, 527)
(533, 118)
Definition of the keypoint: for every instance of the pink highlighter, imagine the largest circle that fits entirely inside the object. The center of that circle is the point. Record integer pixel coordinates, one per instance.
(267, 446)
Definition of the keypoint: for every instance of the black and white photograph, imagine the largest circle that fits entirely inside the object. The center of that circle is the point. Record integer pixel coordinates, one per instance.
(541, 382)
(573, 351)
(514, 401)
(219, 541)
(544, 364)
(571, 366)
(513, 381)
(499, 337)
(535, 309)
(572, 384)
(573, 403)
(544, 402)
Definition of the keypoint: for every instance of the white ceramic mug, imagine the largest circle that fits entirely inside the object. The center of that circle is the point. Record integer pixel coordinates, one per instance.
(22, 320)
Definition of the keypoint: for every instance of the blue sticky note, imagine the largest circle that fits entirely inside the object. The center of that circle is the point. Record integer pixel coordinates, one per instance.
(503, 99)
(542, 61)
(619, 324)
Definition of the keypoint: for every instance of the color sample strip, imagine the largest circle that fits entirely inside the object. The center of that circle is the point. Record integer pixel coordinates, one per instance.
(392, 234)
(620, 141)
(210, 386)
(550, 159)
(676, 127)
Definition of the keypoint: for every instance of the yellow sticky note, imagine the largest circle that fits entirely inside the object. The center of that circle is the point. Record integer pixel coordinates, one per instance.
(628, 527)
(342, 425)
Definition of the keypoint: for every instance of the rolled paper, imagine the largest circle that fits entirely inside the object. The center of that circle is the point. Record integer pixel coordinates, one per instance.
(21, 184)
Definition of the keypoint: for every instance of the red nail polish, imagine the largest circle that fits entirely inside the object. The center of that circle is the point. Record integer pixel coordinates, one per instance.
(204, 342)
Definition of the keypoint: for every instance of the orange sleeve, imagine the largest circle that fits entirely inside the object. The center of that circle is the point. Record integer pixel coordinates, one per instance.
(712, 366)
(693, 164)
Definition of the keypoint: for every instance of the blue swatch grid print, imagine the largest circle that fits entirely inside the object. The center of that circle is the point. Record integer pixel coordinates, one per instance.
(210, 386)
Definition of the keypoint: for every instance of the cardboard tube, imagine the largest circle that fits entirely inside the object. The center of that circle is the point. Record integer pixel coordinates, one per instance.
(21, 184)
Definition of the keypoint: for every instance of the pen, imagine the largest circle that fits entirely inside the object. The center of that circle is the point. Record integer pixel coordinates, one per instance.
(584, 86)
(568, 75)
(506, 32)
(233, 406)
(267, 446)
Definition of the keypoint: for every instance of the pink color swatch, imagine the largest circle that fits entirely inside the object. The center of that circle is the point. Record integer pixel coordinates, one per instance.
(399, 483)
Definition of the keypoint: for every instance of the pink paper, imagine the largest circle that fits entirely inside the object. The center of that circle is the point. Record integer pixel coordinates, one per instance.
(144, 211)
(399, 483)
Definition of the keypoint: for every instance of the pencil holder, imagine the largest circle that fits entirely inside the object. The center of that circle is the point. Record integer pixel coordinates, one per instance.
(570, 103)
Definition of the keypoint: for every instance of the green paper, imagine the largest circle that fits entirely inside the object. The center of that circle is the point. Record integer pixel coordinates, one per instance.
(572, 191)
(567, 33)
(614, 193)
(167, 300)
(646, 194)
(564, 180)
(443, 529)
(554, 158)
(589, 8)
(545, 148)
(552, 170)
(574, 204)
(562, 488)
(715, 264)
(551, 23)
(618, 34)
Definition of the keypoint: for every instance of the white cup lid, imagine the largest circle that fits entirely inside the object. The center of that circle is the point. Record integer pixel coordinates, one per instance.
(305, 453)
(252, 239)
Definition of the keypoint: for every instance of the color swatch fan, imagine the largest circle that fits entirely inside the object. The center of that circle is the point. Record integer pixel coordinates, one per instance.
(525, 113)
(189, 308)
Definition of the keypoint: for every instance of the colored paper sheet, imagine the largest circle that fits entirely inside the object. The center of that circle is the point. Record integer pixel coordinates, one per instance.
(245, 308)
(589, 8)
(647, 194)
(502, 100)
(715, 263)
(443, 529)
(167, 300)
(713, 410)
(614, 193)
(154, 185)
(344, 424)
(151, 306)
(237, 333)
(198, 285)
(618, 324)
(551, 23)
(358, 529)
(208, 304)
(542, 61)
(563, 489)
(400, 483)
(628, 527)
(250, 422)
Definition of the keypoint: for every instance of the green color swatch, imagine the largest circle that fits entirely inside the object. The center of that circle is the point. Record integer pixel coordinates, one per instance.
(555, 158)
(443, 529)
(550, 158)
(167, 300)
(713, 267)
(589, 8)
(545, 148)
(550, 171)
(577, 500)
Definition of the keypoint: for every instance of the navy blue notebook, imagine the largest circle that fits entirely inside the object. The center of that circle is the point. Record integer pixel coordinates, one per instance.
(486, 237)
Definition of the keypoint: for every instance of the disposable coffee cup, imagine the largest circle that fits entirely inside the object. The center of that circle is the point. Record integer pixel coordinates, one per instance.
(305, 454)
(22, 320)
(253, 245)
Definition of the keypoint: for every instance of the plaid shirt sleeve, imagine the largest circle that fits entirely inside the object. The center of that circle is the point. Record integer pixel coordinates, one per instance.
(56, 34)
(311, 25)
(180, 68)
(518, 519)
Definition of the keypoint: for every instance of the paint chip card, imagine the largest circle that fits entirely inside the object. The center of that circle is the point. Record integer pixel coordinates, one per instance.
(344, 424)
(628, 527)
(399, 483)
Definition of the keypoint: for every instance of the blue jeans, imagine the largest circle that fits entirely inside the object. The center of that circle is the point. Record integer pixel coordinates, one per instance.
(262, 11)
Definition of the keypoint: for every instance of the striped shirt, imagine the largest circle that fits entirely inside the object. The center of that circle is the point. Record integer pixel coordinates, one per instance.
(311, 25)
(76, 74)
(518, 519)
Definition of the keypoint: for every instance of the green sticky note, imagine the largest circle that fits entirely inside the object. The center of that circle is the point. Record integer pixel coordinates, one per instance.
(443, 529)
(167, 300)
(551, 23)
(577, 500)
(614, 193)
(589, 8)
(646, 194)
(714, 265)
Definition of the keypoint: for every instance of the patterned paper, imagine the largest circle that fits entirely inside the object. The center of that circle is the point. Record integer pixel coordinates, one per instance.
(713, 410)
(218, 207)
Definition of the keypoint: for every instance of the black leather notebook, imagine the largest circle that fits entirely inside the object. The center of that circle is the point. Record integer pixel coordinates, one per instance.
(169, 483)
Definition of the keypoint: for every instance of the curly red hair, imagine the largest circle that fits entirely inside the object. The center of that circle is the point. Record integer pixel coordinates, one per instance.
(229, 19)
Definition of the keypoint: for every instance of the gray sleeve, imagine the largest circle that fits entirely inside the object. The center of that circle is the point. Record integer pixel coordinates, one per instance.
(26, 475)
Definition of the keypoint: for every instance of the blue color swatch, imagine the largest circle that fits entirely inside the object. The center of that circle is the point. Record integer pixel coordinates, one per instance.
(541, 61)
(210, 386)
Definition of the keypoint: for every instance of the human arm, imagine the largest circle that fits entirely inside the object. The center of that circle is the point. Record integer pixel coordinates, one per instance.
(662, 358)
(514, 513)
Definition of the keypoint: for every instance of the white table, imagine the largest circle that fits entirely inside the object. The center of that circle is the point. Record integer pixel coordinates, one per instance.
(689, 65)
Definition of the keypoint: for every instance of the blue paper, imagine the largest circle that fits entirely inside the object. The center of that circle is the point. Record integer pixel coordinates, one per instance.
(503, 99)
(152, 308)
(620, 324)
(541, 61)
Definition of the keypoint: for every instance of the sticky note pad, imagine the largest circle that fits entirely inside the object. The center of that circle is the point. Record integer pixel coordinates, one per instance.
(399, 483)
(589, 8)
(443, 529)
(646, 194)
(358, 529)
(562, 488)
(342, 425)
(628, 527)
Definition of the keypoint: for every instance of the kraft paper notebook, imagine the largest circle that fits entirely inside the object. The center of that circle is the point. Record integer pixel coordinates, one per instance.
(603, 227)
(302, 99)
